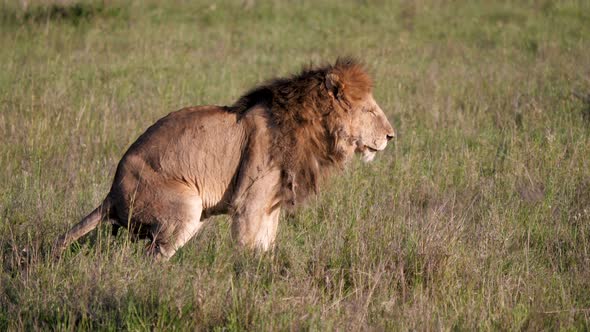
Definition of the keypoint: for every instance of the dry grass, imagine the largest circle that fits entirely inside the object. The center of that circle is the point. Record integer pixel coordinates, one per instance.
(477, 218)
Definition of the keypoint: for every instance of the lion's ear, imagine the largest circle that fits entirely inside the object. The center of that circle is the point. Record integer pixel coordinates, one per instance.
(334, 85)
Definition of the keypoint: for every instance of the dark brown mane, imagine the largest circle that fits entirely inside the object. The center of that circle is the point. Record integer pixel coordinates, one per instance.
(306, 123)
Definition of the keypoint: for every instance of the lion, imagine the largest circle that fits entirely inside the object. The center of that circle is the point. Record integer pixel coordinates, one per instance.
(269, 150)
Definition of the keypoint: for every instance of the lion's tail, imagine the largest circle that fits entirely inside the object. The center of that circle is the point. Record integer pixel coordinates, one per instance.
(82, 228)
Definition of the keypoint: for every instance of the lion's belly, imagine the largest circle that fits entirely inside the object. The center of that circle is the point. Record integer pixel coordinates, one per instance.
(212, 175)
(216, 196)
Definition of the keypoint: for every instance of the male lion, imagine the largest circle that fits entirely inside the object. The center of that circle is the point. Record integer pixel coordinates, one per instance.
(271, 149)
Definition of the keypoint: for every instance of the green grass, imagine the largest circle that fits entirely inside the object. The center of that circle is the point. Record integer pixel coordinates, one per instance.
(478, 217)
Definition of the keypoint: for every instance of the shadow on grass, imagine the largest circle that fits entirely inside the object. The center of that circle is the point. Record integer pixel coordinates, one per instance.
(74, 13)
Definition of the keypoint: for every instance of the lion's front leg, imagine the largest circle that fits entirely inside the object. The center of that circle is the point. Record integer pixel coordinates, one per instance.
(256, 210)
(256, 231)
(267, 230)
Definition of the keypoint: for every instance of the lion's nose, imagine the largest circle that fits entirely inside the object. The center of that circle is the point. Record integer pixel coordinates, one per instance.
(390, 136)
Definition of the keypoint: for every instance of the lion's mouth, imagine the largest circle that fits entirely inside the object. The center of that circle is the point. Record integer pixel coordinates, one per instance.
(368, 154)
(368, 151)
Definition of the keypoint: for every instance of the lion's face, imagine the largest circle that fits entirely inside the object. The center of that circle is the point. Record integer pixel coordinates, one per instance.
(374, 130)
(367, 129)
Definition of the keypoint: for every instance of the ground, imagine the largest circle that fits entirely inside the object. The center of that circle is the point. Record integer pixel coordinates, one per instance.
(477, 217)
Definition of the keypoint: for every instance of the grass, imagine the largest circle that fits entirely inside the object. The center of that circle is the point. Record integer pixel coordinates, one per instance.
(478, 217)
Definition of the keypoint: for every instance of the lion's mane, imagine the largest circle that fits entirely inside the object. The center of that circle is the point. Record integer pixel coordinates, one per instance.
(306, 124)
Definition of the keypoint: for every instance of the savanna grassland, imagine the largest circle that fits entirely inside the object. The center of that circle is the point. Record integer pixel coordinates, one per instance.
(477, 217)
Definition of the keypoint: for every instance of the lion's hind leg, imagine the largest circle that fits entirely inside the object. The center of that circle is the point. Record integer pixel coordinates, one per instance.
(185, 223)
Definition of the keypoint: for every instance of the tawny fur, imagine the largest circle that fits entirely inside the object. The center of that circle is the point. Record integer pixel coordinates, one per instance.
(270, 149)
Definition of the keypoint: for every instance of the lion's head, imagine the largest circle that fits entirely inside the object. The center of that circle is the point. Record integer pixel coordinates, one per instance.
(319, 119)
(366, 126)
